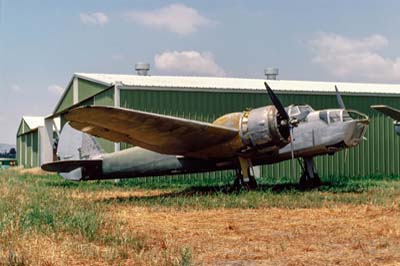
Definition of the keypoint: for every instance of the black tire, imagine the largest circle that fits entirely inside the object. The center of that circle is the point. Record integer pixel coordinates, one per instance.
(307, 183)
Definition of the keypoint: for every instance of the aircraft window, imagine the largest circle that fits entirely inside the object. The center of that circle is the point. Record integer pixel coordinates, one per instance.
(356, 115)
(305, 108)
(346, 116)
(299, 112)
(294, 110)
(323, 115)
(334, 116)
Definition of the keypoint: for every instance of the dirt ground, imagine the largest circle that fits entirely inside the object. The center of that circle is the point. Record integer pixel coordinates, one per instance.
(347, 235)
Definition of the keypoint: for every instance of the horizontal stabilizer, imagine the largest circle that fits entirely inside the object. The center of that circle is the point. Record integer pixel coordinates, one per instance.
(387, 110)
(69, 165)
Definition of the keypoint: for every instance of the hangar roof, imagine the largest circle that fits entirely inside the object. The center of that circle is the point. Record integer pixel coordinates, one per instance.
(34, 122)
(29, 124)
(241, 84)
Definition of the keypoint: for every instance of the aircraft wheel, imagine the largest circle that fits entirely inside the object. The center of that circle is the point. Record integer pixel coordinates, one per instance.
(239, 182)
(307, 182)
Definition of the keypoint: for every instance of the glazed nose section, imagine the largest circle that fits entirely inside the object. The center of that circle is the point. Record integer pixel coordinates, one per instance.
(354, 131)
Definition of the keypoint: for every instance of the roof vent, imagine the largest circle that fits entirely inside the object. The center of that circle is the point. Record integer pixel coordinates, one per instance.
(271, 72)
(142, 69)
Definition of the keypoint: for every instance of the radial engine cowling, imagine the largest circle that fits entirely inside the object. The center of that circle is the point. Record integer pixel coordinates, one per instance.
(262, 128)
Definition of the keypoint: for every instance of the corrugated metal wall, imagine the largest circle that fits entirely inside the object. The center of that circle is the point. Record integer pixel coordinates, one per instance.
(28, 151)
(18, 155)
(378, 155)
(35, 149)
(68, 99)
(88, 88)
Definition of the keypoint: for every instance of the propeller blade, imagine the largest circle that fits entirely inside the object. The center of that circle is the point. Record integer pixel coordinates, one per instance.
(339, 99)
(277, 103)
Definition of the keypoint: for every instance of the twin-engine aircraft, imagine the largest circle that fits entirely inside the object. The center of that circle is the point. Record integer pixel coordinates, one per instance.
(392, 113)
(167, 145)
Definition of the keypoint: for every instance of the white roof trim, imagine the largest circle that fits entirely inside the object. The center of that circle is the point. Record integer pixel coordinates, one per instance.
(34, 122)
(63, 94)
(241, 84)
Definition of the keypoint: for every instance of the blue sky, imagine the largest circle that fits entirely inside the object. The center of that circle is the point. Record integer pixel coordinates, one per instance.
(42, 43)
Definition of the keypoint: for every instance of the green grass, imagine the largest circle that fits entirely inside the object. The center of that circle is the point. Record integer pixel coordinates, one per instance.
(214, 193)
(282, 193)
(28, 205)
(186, 257)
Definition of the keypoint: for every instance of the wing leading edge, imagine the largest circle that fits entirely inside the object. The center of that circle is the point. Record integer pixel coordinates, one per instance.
(387, 110)
(159, 133)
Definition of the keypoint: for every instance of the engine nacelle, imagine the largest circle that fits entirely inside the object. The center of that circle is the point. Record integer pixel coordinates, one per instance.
(260, 128)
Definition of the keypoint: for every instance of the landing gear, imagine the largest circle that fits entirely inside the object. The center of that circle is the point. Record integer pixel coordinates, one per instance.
(309, 179)
(245, 175)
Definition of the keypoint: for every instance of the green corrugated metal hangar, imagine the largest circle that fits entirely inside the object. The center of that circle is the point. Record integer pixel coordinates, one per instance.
(206, 98)
(28, 141)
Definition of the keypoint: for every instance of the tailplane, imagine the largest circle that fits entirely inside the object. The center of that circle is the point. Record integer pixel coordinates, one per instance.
(80, 155)
(75, 169)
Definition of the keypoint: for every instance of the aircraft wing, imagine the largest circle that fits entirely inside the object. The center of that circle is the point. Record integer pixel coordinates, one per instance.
(387, 110)
(155, 132)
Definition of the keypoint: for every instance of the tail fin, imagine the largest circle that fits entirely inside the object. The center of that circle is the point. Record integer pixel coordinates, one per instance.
(76, 145)
(75, 151)
(91, 148)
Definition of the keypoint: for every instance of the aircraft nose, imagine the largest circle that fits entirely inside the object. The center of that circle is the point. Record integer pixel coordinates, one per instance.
(355, 131)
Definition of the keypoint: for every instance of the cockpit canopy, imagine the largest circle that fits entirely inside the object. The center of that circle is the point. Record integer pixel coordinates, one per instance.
(299, 112)
(339, 115)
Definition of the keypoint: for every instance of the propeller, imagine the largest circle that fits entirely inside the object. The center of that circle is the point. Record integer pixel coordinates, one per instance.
(339, 99)
(286, 124)
(277, 103)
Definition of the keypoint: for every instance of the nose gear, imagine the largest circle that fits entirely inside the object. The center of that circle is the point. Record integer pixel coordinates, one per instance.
(309, 178)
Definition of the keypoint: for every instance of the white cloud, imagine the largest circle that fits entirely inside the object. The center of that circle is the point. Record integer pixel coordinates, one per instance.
(55, 89)
(344, 57)
(96, 18)
(188, 62)
(177, 18)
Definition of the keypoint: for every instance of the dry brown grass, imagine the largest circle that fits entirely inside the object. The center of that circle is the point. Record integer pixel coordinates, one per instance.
(131, 233)
(109, 195)
(31, 171)
(348, 235)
